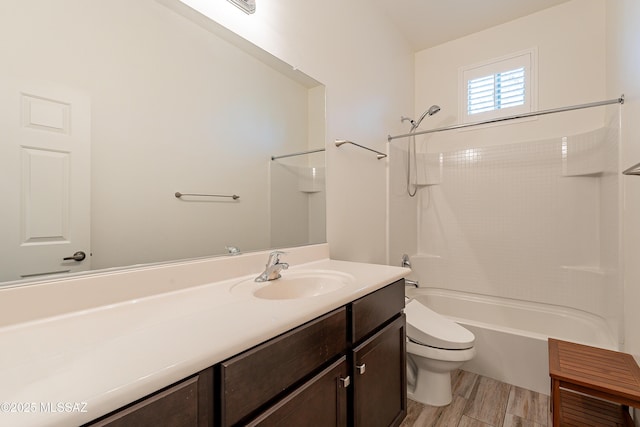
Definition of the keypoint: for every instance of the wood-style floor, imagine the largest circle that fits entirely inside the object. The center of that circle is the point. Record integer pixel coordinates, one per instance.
(482, 402)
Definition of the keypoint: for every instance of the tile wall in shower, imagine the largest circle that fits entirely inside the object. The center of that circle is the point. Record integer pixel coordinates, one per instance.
(534, 221)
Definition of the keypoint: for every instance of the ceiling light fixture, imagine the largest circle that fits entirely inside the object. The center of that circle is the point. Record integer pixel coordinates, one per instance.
(247, 6)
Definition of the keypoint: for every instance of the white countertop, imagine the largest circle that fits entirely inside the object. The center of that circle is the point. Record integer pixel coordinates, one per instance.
(99, 359)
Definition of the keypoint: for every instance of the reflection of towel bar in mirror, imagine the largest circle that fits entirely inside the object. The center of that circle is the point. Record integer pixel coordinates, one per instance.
(339, 142)
(179, 195)
(297, 154)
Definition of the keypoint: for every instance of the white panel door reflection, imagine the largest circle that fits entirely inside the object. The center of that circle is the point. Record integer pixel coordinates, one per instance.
(44, 180)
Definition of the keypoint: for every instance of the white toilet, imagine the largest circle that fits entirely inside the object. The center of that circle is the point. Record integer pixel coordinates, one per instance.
(435, 347)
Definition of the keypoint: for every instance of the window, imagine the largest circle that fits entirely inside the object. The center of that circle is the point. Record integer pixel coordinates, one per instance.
(496, 91)
(497, 88)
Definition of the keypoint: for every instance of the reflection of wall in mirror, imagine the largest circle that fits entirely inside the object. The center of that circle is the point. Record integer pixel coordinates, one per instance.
(298, 202)
(174, 108)
(298, 199)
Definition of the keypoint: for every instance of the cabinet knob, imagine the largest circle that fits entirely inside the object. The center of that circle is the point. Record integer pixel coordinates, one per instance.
(361, 368)
(345, 382)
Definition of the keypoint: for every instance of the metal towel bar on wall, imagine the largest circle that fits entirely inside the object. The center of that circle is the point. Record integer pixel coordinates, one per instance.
(319, 150)
(179, 195)
(339, 142)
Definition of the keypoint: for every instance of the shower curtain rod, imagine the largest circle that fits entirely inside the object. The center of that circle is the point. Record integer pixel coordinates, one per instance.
(619, 100)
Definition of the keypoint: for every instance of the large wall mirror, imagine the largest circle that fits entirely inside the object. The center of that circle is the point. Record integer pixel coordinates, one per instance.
(107, 109)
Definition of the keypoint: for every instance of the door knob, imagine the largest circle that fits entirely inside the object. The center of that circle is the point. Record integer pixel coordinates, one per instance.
(78, 256)
(361, 368)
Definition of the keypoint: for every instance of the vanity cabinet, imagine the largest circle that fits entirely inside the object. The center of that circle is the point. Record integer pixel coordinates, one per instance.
(345, 368)
(365, 387)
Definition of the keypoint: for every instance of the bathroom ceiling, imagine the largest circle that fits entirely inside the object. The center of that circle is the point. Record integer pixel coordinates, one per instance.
(427, 23)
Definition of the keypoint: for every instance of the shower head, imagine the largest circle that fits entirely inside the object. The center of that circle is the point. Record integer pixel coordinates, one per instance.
(433, 109)
(430, 112)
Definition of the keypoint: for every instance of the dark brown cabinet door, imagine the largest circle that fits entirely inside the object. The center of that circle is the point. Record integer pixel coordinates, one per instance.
(186, 404)
(380, 378)
(320, 402)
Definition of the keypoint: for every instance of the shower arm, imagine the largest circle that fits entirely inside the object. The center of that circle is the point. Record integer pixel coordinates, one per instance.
(340, 142)
(633, 170)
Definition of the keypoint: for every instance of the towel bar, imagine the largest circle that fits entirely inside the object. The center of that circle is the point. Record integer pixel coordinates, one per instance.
(179, 195)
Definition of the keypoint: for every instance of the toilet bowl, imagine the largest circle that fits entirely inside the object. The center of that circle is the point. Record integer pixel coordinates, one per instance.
(435, 347)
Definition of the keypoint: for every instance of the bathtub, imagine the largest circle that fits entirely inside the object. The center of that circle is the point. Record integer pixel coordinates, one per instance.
(511, 336)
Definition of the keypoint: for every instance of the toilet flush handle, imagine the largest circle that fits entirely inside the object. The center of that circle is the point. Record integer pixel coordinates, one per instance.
(361, 368)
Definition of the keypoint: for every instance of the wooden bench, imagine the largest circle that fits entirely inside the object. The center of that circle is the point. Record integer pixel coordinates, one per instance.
(592, 386)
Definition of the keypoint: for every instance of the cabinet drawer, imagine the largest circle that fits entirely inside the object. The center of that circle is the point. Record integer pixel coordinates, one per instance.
(373, 310)
(320, 402)
(186, 404)
(256, 376)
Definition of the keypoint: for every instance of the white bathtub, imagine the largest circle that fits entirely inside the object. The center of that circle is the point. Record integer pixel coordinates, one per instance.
(511, 336)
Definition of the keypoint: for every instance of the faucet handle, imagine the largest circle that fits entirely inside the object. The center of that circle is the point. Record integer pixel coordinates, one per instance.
(274, 257)
(233, 250)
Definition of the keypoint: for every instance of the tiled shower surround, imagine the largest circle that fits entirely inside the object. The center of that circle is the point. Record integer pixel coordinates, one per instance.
(535, 221)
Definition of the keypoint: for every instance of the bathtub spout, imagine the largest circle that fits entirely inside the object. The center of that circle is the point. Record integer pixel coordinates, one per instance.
(408, 282)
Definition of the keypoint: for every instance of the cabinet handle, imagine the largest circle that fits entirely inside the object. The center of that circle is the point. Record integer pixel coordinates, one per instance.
(361, 368)
(345, 381)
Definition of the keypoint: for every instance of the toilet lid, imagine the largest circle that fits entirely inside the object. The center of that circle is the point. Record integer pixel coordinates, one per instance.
(427, 327)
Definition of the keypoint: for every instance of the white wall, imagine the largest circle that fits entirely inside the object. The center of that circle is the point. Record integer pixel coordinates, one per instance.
(623, 69)
(508, 211)
(367, 70)
(571, 49)
(570, 42)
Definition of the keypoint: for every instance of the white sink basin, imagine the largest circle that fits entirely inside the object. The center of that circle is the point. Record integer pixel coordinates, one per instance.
(295, 284)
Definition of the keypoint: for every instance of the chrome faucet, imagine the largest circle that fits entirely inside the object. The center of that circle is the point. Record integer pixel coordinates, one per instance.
(406, 263)
(414, 283)
(273, 267)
